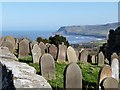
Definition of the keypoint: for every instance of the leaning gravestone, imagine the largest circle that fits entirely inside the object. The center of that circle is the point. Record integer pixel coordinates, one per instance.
(71, 55)
(53, 51)
(36, 53)
(100, 59)
(73, 77)
(110, 83)
(115, 69)
(9, 45)
(84, 55)
(24, 49)
(47, 64)
(105, 71)
(62, 53)
(42, 47)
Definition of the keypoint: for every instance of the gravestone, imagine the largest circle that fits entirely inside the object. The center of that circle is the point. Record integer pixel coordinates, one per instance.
(115, 69)
(93, 59)
(83, 55)
(47, 47)
(53, 51)
(42, 47)
(110, 83)
(105, 71)
(114, 55)
(100, 59)
(36, 53)
(71, 55)
(62, 53)
(24, 49)
(16, 43)
(47, 64)
(9, 45)
(73, 77)
(77, 53)
(33, 43)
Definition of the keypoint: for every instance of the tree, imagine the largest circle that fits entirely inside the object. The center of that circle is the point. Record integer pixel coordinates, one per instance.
(40, 39)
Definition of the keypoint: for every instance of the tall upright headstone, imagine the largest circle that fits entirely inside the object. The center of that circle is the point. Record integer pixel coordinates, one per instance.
(83, 55)
(42, 47)
(24, 48)
(36, 53)
(93, 59)
(47, 64)
(53, 51)
(71, 55)
(101, 59)
(115, 68)
(62, 53)
(73, 77)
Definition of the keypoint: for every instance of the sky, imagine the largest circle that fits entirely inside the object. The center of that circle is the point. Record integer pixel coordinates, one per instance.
(53, 15)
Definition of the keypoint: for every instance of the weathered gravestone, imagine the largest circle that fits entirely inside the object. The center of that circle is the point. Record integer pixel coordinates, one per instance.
(16, 43)
(36, 53)
(73, 77)
(42, 47)
(110, 83)
(53, 51)
(47, 64)
(83, 55)
(93, 59)
(47, 47)
(105, 71)
(33, 43)
(62, 53)
(100, 59)
(71, 55)
(77, 53)
(114, 55)
(115, 69)
(24, 49)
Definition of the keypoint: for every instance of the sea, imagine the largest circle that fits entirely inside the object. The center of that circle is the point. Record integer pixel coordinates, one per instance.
(72, 39)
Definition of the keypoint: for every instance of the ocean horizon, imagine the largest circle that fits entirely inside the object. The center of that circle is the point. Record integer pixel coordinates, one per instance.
(32, 35)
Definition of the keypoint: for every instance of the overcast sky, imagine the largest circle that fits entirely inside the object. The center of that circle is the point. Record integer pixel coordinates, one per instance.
(51, 15)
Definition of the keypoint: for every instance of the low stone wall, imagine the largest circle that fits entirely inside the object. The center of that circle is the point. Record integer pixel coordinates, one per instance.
(23, 75)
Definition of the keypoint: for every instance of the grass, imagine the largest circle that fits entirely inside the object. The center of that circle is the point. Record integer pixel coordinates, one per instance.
(89, 73)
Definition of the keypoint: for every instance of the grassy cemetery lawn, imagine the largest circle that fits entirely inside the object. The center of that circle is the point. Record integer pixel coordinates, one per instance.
(89, 72)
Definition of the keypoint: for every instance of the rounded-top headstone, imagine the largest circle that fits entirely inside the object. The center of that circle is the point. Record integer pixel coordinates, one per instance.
(73, 76)
(43, 47)
(110, 83)
(47, 64)
(105, 71)
(115, 69)
(36, 53)
(53, 51)
(71, 54)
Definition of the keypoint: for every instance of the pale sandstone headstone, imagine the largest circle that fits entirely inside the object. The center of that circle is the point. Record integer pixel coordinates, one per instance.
(115, 69)
(42, 47)
(73, 77)
(71, 54)
(47, 64)
(101, 59)
(93, 59)
(36, 53)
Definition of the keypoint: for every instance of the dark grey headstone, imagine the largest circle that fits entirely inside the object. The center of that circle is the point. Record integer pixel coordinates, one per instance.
(36, 53)
(71, 55)
(47, 64)
(73, 77)
(53, 51)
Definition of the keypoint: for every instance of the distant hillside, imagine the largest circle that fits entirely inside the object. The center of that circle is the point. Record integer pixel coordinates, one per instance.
(88, 30)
